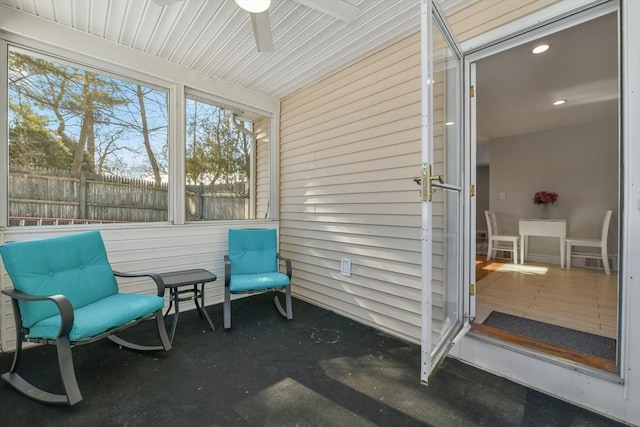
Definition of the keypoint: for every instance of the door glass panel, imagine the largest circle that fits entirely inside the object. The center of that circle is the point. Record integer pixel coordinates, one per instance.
(447, 203)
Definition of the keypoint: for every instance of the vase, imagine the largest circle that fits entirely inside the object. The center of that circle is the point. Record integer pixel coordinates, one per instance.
(544, 211)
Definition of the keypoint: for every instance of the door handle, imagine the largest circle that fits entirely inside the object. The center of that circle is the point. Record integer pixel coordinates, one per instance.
(425, 181)
(437, 178)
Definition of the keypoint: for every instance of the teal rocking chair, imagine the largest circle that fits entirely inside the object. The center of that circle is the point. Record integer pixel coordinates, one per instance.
(252, 265)
(65, 293)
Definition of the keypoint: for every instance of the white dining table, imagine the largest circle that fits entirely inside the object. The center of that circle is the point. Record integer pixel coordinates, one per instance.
(545, 228)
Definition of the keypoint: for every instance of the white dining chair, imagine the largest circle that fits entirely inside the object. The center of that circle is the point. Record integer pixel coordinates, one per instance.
(496, 241)
(601, 243)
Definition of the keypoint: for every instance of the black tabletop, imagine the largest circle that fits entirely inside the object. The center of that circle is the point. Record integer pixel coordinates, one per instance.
(187, 277)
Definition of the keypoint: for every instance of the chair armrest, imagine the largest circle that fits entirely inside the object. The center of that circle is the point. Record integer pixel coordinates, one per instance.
(154, 276)
(62, 302)
(227, 271)
(287, 263)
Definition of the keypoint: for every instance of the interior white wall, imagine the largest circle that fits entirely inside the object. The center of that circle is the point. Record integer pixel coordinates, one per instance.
(482, 196)
(579, 162)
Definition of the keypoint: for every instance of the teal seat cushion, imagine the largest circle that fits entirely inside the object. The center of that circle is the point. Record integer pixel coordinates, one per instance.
(257, 282)
(253, 251)
(74, 265)
(100, 316)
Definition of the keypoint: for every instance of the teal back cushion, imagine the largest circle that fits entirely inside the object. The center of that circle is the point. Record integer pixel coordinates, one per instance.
(75, 266)
(253, 251)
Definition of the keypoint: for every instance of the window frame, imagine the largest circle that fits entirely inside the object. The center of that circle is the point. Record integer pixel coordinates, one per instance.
(59, 61)
(176, 99)
(198, 96)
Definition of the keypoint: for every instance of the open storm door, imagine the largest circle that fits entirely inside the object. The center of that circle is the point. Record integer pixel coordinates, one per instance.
(443, 200)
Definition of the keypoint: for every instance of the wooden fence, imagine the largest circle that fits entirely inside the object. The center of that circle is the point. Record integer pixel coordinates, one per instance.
(220, 201)
(45, 196)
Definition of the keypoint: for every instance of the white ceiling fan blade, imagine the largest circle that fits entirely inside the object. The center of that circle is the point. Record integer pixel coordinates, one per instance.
(339, 9)
(262, 31)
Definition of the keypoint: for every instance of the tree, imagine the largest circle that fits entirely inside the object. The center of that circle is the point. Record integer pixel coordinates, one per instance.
(145, 135)
(42, 85)
(142, 125)
(32, 143)
(64, 117)
(79, 101)
(216, 151)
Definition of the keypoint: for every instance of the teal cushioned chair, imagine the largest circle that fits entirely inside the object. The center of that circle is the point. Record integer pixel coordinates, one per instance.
(252, 265)
(65, 293)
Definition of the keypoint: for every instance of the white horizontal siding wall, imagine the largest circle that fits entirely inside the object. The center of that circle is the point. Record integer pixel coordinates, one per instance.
(350, 148)
(141, 248)
(479, 16)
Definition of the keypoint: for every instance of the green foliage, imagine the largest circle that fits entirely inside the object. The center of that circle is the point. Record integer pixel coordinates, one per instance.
(94, 118)
(68, 118)
(32, 143)
(216, 152)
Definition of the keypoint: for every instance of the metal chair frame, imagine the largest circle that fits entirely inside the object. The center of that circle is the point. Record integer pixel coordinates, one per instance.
(64, 344)
(228, 272)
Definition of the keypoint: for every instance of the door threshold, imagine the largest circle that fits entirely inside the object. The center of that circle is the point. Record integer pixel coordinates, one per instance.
(542, 348)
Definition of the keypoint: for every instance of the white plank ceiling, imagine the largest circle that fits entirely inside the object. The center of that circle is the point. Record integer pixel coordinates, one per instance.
(215, 37)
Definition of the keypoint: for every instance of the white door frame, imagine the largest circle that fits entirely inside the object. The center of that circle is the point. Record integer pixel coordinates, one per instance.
(614, 396)
(431, 352)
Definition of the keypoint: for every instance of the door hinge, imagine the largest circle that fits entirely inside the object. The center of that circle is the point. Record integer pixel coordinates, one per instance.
(472, 91)
(472, 190)
(472, 289)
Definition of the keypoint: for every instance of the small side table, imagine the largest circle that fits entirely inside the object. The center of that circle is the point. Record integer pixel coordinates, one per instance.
(175, 279)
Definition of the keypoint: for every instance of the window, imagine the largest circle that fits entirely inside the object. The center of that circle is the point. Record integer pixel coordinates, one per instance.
(84, 146)
(226, 164)
(87, 145)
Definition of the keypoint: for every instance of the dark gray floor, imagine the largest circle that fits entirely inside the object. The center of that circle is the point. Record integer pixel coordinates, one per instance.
(319, 369)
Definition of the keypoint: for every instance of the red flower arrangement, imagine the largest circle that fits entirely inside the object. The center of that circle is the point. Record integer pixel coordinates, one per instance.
(544, 197)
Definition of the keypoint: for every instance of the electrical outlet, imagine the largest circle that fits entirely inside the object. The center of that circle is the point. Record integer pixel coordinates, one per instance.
(345, 267)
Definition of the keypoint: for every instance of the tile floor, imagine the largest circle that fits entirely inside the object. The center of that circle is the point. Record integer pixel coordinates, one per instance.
(581, 299)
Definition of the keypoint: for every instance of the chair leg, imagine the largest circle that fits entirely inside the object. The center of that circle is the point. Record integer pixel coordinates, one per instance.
(489, 249)
(226, 308)
(289, 304)
(65, 363)
(289, 312)
(568, 255)
(515, 252)
(605, 260)
(162, 333)
(17, 356)
(67, 371)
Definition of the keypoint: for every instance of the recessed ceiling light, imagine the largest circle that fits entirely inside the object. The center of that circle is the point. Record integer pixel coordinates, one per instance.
(559, 102)
(449, 123)
(540, 48)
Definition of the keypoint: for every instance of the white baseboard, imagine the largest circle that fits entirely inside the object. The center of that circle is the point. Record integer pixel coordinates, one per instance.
(575, 262)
